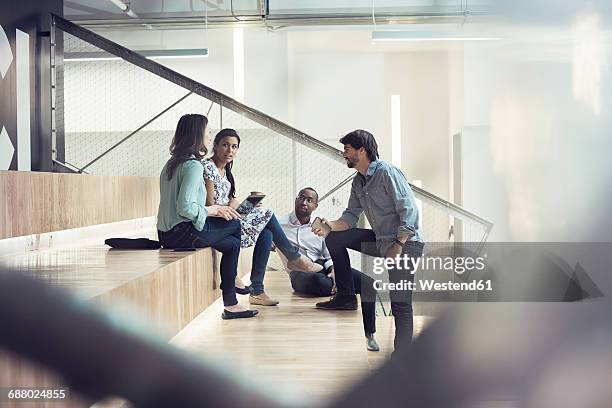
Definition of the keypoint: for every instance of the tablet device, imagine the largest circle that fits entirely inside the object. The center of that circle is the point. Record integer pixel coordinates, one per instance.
(249, 203)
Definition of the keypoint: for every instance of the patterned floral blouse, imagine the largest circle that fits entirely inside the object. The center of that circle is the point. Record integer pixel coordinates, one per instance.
(251, 224)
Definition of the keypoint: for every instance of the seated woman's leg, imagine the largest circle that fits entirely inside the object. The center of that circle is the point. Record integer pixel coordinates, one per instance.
(281, 241)
(184, 235)
(230, 250)
(261, 254)
(295, 260)
(223, 236)
(215, 229)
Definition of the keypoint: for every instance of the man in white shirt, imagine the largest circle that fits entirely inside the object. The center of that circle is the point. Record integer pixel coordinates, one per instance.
(297, 227)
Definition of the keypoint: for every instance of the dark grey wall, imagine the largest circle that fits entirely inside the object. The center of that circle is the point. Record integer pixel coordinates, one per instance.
(32, 17)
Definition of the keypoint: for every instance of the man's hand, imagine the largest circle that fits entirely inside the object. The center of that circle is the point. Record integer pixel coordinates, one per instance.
(322, 232)
(337, 225)
(394, 251)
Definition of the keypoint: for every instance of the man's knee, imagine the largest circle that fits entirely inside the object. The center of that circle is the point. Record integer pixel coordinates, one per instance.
(335, 241)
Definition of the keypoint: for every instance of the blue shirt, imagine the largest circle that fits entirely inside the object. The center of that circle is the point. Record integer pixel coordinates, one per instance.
(182, 198)
(388, 202)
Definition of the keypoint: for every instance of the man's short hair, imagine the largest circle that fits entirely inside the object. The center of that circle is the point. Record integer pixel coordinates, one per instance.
(360, 138)
(313, 190)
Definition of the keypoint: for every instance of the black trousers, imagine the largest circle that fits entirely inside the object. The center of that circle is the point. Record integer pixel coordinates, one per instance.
(319, 284)
(364, 241)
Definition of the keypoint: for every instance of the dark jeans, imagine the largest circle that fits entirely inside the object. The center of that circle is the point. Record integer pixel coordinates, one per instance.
(364, 241)
(319, 284)
(272, 232)
(218, 233)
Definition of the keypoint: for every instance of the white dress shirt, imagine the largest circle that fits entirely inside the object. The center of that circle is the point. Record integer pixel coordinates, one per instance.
(301, 235)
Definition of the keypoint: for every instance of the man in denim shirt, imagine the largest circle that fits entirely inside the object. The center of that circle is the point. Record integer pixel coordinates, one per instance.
(381, 191)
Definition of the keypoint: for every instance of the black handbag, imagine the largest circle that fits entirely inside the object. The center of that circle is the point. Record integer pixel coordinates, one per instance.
(132, 243)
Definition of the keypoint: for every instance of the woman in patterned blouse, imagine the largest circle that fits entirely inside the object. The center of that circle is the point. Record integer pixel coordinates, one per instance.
(259, 227)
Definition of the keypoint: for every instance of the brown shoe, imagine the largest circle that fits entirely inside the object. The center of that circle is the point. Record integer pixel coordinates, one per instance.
(262, 299)
(303, 264)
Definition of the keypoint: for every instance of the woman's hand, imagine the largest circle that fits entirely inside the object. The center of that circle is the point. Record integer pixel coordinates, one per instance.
(224, 211)
(234, 203)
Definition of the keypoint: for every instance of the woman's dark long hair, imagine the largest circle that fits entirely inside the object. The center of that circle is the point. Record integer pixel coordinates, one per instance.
(188, 141)
(228, 167)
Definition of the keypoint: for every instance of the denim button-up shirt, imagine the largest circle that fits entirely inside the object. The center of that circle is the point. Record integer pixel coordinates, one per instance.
(388, 202)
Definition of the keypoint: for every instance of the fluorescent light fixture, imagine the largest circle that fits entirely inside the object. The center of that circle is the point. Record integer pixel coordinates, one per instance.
(151, 54)
(427, 36)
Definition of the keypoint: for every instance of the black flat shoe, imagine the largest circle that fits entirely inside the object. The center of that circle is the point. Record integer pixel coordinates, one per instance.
(226, 315)
(339, 302)
(243, 291)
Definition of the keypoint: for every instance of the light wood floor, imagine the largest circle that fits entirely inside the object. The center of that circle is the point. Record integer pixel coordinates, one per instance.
(292, 348)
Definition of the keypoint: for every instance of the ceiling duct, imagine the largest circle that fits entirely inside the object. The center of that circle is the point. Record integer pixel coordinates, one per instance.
(262, 13)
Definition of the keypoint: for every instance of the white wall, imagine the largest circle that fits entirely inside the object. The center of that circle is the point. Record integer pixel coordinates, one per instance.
(421, 80)
(340, 81)
(484, 187)
(332, 91)
(545, 173)
(266, 72)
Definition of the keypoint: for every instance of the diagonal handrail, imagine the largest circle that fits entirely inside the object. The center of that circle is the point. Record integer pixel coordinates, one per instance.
(195, 87)
(240, 108)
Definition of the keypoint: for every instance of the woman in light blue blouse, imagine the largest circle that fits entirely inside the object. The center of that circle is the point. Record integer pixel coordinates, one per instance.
(184, 220)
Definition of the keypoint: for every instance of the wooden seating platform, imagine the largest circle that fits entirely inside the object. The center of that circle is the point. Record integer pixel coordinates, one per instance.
(171, 288)
(53, 228)
(160, 291)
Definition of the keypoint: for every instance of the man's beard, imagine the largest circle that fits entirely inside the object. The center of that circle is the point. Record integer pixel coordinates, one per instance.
(351, 163)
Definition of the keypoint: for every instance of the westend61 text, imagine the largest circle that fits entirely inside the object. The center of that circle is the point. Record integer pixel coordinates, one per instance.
(431, 285)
